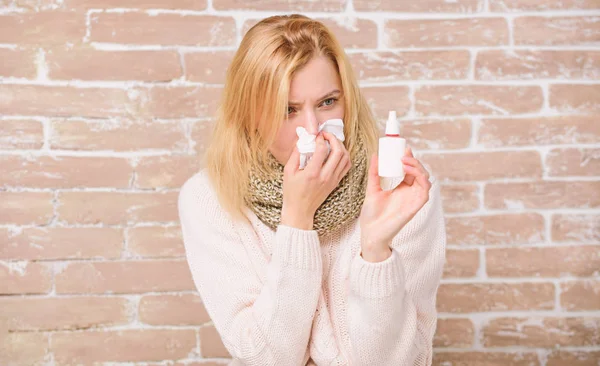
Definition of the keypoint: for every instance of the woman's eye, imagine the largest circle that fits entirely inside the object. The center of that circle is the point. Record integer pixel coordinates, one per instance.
(290, 110)
(330, 99)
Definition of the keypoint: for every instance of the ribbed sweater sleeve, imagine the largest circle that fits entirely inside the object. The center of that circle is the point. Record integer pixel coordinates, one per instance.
(260, 322)
(392, 303)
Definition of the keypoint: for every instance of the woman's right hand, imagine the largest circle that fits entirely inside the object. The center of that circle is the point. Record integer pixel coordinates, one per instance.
(305, 190)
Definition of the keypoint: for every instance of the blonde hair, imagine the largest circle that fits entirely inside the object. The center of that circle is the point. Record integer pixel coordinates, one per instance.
(255, 100)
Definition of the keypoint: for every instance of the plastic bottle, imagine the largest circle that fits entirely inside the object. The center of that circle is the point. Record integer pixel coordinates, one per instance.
(391, 149)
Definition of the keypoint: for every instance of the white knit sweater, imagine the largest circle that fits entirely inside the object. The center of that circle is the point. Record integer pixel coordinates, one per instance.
(281, 297)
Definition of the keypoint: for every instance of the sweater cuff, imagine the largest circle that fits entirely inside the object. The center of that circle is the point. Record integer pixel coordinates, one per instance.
(377, 279)
(297, 247)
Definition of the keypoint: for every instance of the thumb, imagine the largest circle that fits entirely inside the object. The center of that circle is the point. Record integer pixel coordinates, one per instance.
(293, 162)
(373, 184)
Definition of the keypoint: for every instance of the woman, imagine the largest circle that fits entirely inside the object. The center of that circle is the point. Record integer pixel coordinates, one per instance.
(321, 264)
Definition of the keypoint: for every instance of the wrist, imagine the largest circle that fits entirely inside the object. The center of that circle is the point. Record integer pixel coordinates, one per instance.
(376, 255)
(304, 222)
(374, 243)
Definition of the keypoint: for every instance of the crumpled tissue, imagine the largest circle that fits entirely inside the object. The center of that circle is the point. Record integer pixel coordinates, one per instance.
(307, 142)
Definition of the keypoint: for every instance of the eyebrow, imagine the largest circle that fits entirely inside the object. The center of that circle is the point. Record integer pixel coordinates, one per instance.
(336, 91)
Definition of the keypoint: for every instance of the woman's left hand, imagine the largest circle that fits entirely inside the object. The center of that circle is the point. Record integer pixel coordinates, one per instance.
(384, 213)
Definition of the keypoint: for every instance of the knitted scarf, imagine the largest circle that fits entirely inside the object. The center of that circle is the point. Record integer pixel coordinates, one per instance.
(265, 196)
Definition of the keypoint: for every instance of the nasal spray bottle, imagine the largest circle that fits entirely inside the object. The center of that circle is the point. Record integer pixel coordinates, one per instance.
(391, 149)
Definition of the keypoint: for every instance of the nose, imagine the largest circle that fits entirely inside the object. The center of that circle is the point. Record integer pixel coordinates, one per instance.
(311, 124)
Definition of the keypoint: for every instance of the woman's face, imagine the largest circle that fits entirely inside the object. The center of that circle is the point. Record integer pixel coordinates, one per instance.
(315, 96)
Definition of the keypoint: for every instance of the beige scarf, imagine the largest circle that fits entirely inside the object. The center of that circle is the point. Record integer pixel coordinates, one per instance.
(343, 204)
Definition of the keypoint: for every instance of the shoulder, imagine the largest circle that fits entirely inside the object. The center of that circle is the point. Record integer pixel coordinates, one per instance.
(198, 198)
(196, 188)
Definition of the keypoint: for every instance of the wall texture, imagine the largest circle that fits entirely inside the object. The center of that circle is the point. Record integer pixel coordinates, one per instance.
(105, 108)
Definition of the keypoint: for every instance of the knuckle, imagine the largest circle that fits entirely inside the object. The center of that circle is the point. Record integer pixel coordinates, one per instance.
(312, 175)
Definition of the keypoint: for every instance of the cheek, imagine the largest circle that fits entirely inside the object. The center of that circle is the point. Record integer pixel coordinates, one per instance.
(285, 142)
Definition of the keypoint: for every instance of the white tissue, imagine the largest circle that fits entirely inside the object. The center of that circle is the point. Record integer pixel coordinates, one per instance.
(307, 144)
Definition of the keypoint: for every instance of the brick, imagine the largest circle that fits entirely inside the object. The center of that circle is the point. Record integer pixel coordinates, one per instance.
(26, 348)
(136, 4)
(505, 132)
(485, 165)
(117, 135)
(424, 33)
(25, 278)
(207, 67)
(414, 65)
(500, 229)
(542, 194)
(64, 172)
(580, 228)
(456, 333)
(483, 297)
(35, 314)
(155, 241)
(573, 162)
(543, 262)
(573, 358)
(51, 243)
(166, 171)
(18, 63)
(431, 6)
(486, 358)
(477, 99)
(42, 28)
(546, 31)
(180, 309)
(21, 134)
(300, 5)
(382, 99)
(541, 5)
(583, 99)
(461, 263)
(211, 343)
(460, 198)
(129, 345)
(114, 208)
(200, 363)
(541, 332)
(89, 64)
(66, 101)
(124, 277)
(39, 208)
(580, 295)
(454, 133)
(36, 4)
(181, 101)
(528, 65)
(162, 29)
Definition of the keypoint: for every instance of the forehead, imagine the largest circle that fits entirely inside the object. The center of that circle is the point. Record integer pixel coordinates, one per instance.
(318, 77)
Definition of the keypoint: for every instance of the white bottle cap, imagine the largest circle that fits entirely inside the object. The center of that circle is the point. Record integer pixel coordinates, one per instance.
(392, 127)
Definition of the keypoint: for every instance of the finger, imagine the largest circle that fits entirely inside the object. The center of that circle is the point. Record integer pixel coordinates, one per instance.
(316, 162)
(420, 178)
(335, 155)
(343, 167)
(416, 164)
(293, 163)
(408, 178)
(373, 184)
